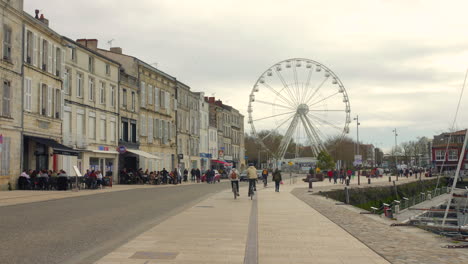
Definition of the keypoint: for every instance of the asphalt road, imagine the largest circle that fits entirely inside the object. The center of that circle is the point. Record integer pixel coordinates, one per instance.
(83, 229)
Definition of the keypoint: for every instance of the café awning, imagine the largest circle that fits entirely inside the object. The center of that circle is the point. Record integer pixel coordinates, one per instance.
(143, 154)
(57, 147)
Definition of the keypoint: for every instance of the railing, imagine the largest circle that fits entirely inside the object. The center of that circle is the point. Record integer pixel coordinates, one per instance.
(405, 202)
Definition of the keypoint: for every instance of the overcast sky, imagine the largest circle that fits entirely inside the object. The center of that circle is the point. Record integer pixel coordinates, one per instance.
(401, 62)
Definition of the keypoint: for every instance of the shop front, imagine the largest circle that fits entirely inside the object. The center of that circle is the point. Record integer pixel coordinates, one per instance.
(133, 159)
(204, 161)
(45, 153)
(104, 159)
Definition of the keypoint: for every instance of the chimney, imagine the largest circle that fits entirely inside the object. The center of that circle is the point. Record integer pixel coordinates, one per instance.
(37, 13)
(92, 44)
(44, 20)
(82, 42)
(117, 50)
(211, 100)
(89, 43)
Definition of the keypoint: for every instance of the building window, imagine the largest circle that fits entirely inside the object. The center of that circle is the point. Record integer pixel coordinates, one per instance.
(6, 43)
(102, 93)
(150, 94)
(6, 98)
(91, 64)
(43, 98)
(29, 47)
(58, 62)
(45, 54)
(453, 155)
(73, 54)
(58, 103)
(66, 81)
(133, 101)
(125, 130)
(133, 132)
(112, 95)
(124, 98)
(91, 89)
(79, 85)
(108, 71)
(92, 127)
(440, 155)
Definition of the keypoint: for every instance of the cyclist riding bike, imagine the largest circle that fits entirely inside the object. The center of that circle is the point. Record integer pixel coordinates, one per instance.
(265, 177)
(234, 177)
(252, 175)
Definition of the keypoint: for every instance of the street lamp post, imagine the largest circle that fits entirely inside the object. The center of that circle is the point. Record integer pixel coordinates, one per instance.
(396, 157)
(357, 131)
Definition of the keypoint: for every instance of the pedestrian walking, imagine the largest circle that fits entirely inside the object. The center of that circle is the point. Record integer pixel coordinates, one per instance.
(330, 175)
(234, 177)
(186, 175)
(335, 176)
(198, 175)
(277, 179)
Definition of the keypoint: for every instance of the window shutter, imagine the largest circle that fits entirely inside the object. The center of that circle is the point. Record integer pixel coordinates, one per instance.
(150, 94)
(175, 104)
(156, 99)
(150, 130)
(34, 53)
(160, 129)
(49, 101)
(162, 98)
(39, 42)
(168, 104)
(49, 64)
(40, 98)
(54, 58)
(25, 44)
(143, 94)
(169, 130)
(143, 125)
(28, 95)
(62, 103)
(63, 61)
(155, 128)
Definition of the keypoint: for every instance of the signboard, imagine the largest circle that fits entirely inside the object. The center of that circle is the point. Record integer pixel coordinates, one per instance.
(357, 159)
(103, 148)
(290, 163)
(77, 171)
(121, 149)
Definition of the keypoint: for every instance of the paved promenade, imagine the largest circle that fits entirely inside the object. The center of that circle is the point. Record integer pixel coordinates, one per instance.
(216, 231)
(291, 226)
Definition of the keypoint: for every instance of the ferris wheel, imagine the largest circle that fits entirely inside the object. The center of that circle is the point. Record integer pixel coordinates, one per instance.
(302, 100)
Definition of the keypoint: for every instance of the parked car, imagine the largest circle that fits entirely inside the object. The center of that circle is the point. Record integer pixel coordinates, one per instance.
(243, 176)
(217, 176)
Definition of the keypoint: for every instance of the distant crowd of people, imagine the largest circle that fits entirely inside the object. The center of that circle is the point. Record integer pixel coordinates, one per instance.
(176, 176)
(41, 179)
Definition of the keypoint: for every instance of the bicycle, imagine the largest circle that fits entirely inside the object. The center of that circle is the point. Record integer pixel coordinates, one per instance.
(234, 189)
(251, 189)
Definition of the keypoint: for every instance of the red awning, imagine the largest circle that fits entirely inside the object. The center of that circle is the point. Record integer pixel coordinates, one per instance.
(218, 161)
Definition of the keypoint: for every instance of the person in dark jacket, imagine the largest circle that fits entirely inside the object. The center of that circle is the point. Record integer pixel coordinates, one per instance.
(277, 179)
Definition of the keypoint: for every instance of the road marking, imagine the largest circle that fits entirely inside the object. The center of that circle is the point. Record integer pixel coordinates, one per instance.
(251, 247)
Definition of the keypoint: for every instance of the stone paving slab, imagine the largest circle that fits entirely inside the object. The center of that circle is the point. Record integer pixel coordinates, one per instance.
(396, 244)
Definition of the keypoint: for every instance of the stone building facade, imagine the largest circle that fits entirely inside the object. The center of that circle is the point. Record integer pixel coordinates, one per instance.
(183, 125)
(155, 133)
(43, 104)
(90, 120)
(11, 63)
